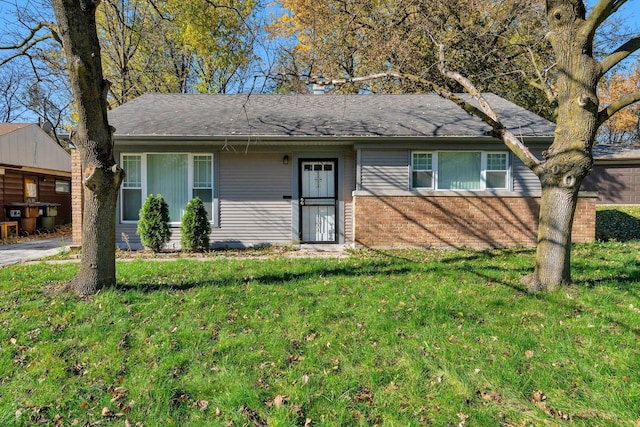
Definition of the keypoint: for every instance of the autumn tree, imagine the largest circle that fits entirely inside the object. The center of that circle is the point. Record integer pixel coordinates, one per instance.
(622, 128)
(569, 159)
(176, 46)
(495, 44)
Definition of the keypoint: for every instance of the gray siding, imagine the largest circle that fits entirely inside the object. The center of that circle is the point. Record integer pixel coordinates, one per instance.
(348, 186)
(252, 208)
(524, 181)
(383, 170)
(615, 184)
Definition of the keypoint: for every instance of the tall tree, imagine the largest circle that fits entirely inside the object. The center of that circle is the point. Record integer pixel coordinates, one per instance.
(569, 159)
(493, 43)
(76, 28)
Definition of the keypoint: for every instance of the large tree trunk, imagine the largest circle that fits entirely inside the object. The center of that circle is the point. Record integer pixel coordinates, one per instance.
(93, 139)
(569, 160)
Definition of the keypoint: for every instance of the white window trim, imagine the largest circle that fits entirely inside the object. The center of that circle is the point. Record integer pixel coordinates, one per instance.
(483, 169)
(190, 178)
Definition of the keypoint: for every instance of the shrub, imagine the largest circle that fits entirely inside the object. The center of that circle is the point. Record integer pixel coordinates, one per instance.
(153, 225)
(195, 227)
(619, 223)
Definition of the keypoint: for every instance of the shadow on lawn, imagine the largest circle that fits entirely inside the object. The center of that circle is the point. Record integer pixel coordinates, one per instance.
(271, 279)
(477, 264)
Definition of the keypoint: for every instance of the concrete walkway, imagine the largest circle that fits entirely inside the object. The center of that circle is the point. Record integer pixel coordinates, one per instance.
(32, 250)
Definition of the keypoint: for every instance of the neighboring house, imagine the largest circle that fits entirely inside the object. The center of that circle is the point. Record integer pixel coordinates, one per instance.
(354, 170)
(616, 175)
(33, 168)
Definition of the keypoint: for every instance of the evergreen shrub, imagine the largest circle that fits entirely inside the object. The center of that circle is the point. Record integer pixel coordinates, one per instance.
(153, 224)
(195, 227)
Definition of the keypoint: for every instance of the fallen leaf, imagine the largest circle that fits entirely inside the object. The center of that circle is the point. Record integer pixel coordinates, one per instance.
(202, 404)
(106, 412)
(279, 400)
(528, 354)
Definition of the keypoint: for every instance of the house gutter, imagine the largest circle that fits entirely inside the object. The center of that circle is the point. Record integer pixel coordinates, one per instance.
(363, 141)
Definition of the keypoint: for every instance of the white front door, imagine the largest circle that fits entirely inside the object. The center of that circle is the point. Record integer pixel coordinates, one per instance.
(318, 201)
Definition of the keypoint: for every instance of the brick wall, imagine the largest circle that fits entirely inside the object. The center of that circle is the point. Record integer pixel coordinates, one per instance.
(77, 191)
(457, 221)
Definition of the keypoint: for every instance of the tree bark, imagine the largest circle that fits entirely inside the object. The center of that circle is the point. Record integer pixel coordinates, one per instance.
(93, 139)
(569, 159)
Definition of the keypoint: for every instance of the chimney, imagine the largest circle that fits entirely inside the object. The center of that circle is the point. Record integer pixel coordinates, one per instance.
(319, 85)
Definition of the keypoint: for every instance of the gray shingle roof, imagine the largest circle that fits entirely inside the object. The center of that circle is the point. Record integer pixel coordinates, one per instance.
(219, 116)
(616, 152)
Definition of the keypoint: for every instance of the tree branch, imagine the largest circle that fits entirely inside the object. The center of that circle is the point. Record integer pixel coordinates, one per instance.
(485, 113)
(489, 116)
(30, 41)
(619, 55)
(598, 14)
(618, 105)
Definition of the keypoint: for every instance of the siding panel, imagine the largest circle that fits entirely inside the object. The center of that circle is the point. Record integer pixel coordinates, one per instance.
(615, 184)
(383, 171)
(252, 208)
(524, 181)
(348, 185)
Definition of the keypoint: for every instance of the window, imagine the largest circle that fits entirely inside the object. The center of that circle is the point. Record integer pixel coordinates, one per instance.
(460, 170)
(178, 177)
(496, 173)
(422, 174)
(63, 186)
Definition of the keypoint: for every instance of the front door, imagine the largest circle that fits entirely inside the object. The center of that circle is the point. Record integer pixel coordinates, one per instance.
(318, 201)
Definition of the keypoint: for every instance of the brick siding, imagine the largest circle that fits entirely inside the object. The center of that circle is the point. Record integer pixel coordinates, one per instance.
(457, 221)
(77, 191)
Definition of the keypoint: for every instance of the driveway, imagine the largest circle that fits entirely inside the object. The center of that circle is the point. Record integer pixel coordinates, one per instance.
(32, 250)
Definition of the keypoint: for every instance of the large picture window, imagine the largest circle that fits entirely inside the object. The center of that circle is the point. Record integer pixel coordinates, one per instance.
(178, 177)
(460, 170)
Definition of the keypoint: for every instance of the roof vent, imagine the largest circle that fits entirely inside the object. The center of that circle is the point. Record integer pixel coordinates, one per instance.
(319, 85)
(318, 89)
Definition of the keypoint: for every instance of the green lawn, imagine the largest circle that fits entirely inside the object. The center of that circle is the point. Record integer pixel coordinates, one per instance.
(397, 338)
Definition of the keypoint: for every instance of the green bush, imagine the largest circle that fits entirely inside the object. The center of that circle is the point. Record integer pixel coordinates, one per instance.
(153, 225)
(619, 223)
(195, 227)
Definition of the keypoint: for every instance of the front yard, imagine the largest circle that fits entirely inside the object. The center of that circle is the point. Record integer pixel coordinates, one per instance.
(387, 338)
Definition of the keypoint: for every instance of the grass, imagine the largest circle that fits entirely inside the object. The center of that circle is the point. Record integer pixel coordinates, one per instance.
(396, 338)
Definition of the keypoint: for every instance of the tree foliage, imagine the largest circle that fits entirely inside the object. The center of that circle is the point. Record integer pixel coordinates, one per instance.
(175, 46)
(624, 127)
(153, 223)
(496, 44)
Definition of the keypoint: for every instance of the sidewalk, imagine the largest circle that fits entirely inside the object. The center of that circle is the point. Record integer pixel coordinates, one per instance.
(32, 250)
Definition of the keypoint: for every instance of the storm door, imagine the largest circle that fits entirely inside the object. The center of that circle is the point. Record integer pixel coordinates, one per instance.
(318, 201)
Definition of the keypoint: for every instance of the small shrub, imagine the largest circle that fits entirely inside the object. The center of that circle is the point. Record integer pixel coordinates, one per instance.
(619, 223)
(195, 227)
(153, 225)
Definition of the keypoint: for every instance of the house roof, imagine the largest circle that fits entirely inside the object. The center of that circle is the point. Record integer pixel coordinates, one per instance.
(6, 128)
(312, 116)
(28, 147)
(607, 152)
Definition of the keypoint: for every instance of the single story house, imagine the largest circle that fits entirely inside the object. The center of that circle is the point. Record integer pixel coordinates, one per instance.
(34, 168)
(616, 175)
(353, 170)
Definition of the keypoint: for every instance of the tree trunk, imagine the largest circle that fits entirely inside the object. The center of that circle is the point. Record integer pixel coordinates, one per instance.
(553, 257)
(93, 139)
(569, 159)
